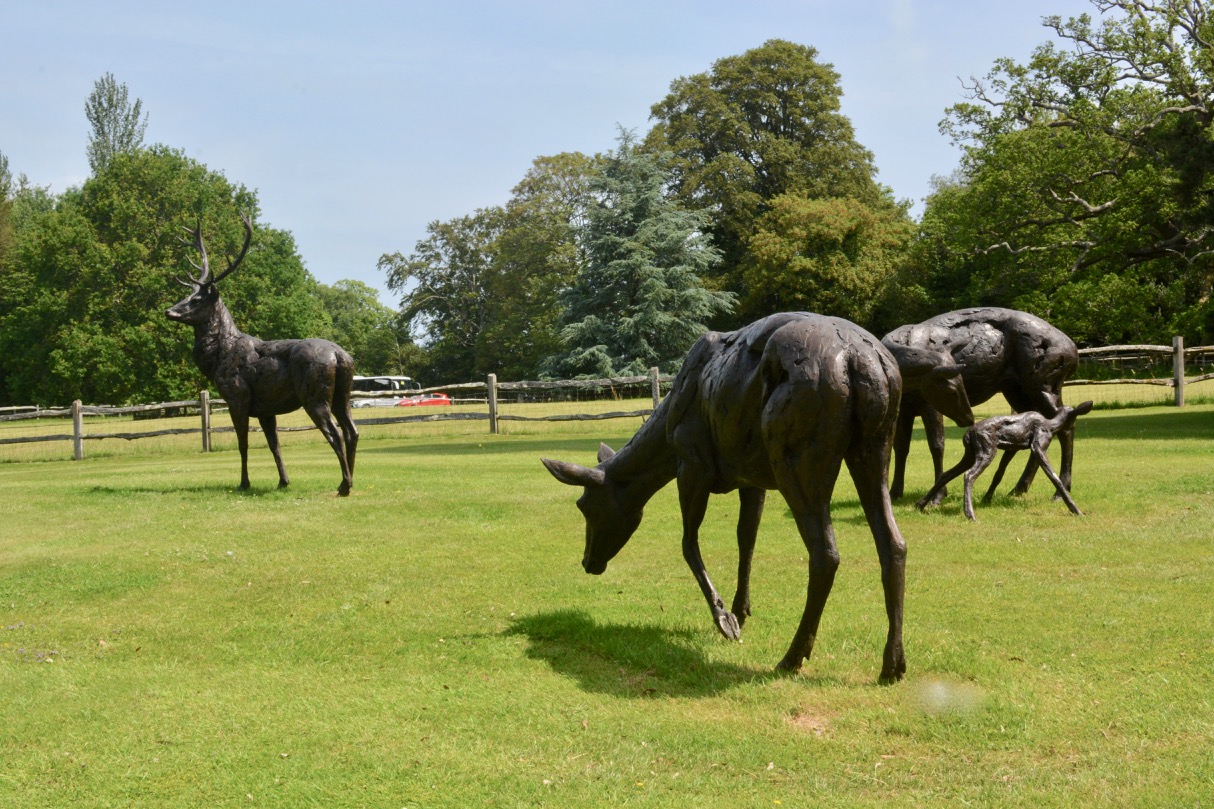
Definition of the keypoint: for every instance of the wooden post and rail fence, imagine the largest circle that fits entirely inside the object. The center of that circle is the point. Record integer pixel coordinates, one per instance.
(492, 388)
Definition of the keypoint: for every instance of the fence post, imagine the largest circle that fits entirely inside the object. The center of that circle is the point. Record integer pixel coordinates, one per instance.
(654, 390)
(77, 432)
(204, 405)
(491, 383)
(1178, 369)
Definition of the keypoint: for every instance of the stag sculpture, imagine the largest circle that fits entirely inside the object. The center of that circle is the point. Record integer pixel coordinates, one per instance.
(998, 351)
(1030, 430)
(267, 378)
(780, 404)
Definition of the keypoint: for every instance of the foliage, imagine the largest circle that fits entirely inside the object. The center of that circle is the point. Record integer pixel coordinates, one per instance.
(758, 126)
(824, 255)
(445, 289)
(114, 120)
(638, 302)
(84, 298)
(481, 290)
(370, 331)
(536, 255)
(1086, 193)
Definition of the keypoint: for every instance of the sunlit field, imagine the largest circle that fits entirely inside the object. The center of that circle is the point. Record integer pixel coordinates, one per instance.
(431, 640)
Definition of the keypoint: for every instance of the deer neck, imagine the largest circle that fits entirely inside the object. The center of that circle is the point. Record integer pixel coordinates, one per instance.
(214, 339)
(647, 462)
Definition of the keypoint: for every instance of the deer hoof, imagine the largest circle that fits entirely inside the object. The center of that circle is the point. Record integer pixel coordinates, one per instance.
(727, 622)
(343, 490)
(791, 664)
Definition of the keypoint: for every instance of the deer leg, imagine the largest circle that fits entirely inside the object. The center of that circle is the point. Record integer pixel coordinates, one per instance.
(1004, 461)
(981, 454)
(1049, 471)
(1066, 440)
(322, 417)
(807, 482)
(349, 434)
(749, 514)
(933, 496)
(902, 441)
(933, 424)
(693, 502)
(269, 426)
(240, 423)
(869, 476)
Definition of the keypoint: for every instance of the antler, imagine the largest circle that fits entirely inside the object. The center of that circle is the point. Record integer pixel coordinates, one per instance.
(234, 263)
(205, 268)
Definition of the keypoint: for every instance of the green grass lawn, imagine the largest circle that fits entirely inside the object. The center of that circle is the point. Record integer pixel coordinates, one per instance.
(432, 640)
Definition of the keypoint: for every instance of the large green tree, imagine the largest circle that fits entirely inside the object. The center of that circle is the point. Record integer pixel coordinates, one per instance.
(446, 287)
(639, 301)
(482, 291)
(1085, 192)
(369, 330)
(756, 127)
(91, 276)
(115, 124)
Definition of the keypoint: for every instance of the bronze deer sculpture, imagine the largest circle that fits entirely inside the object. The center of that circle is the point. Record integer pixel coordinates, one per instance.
(780, 404)
(1029, 430)
(267, 378)
(999, 351)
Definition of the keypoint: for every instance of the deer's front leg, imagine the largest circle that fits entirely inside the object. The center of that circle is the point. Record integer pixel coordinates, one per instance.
(240, 423)
(693, 502)
(269, 426)
(749, 515)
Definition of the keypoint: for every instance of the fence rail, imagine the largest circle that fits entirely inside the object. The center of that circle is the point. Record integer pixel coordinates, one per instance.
(204, 406)
(489, 391)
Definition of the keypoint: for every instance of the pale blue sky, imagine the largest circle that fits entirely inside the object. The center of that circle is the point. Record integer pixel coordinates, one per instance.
(360, 122)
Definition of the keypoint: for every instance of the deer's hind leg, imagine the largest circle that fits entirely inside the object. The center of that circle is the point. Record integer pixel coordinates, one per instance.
(322, 417)
(349, 434)
(868, 473)
(269, 426)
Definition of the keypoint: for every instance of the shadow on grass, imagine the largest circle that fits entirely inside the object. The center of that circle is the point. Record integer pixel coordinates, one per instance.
(197, 488)
(582, 450)
(628, 660)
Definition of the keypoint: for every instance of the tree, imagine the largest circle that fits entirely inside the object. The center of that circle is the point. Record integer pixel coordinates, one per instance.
(755, 127)
(639, 301)
(1086, 184)
(483, 290)
(370, 331)
(85, 294)
(115, 122)
(536, 255)
(824, 255)
(445, 287)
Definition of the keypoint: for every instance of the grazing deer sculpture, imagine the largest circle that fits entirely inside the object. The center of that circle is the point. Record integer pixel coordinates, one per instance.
(266, 378)
(780, 404)
(1030, 430)
(999, 351)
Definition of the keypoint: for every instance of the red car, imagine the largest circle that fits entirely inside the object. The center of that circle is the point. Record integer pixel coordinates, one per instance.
(425, 399)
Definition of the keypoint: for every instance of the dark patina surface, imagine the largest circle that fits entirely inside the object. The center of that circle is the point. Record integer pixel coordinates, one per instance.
(1031, 431)
(264, 379)
(999, 351)
(780, 404)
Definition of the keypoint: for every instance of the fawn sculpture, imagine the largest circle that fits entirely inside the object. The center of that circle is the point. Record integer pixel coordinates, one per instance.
(780, 404)
(1031, 431)
(266, 378)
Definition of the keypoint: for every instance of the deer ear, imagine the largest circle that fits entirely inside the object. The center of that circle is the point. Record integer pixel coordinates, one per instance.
(1086, 407)
(605, 452)
(573, 474)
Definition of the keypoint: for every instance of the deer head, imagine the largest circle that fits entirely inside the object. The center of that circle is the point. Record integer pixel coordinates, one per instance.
(196, 307)
(612, 516)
